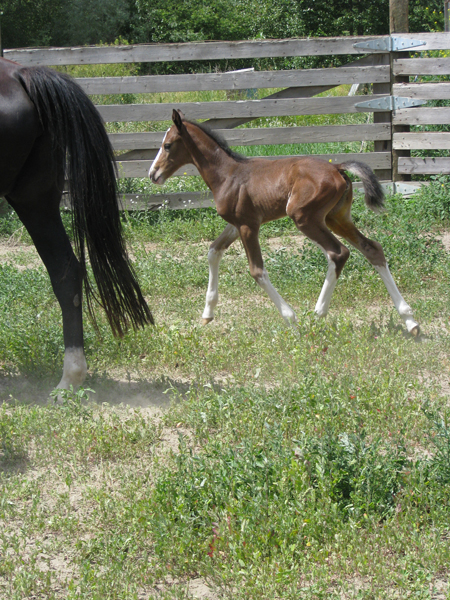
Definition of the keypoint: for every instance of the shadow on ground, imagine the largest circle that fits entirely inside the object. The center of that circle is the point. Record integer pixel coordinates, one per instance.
(143, 393)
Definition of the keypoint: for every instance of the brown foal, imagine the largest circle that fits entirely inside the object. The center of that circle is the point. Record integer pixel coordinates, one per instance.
(251, 191)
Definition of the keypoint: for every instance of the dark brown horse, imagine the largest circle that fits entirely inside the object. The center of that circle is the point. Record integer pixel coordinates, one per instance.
(249, 192)
(50, 131)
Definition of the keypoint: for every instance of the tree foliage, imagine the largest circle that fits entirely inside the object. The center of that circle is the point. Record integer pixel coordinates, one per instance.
(77, 22)
(94, 21)
(28, 22)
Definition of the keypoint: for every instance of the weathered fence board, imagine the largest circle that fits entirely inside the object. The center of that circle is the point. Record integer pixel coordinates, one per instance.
(173, 201)
(209, 50)
(433, 41)
(427, 91)
(185, 51)
(266, 135)
(186, 200)
(233, 81)
(247, 109)
(422, 116)
(421, 66)
(426, 140)
(424, 166)
(375, 160)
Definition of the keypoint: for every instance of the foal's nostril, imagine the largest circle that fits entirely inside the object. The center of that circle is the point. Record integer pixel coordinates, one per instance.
(152, 175)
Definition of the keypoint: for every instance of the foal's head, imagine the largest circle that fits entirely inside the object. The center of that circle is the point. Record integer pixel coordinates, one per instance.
(173, 153)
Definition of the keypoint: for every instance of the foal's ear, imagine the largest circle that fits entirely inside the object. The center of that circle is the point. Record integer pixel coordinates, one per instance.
(177, 117)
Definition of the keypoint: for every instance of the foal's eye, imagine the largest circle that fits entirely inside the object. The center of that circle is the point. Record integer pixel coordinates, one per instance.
(167, 147)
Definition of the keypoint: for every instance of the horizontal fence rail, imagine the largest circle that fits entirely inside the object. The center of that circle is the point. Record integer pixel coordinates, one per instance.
(424, 166)
(422, 116)
(251, 109)
(233, 81)
(421, 66)
(431, 140)
(267, 135)
(427, 91)
(196, 51)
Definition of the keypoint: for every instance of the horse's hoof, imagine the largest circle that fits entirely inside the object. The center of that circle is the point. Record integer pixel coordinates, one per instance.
(206, 321)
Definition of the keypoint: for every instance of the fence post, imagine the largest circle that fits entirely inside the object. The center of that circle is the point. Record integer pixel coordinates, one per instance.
(447, 15)
(398, 23)
(382, 117)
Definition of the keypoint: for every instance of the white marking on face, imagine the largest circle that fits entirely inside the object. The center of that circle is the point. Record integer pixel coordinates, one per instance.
(158, 155)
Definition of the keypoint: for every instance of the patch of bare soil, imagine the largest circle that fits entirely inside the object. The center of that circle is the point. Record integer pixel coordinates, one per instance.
(445, 239)
(292, 242)
(197, 589)
(22, 256)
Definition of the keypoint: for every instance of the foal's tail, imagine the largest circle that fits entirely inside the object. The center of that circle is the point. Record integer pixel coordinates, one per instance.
(79, 137)
(373, 192)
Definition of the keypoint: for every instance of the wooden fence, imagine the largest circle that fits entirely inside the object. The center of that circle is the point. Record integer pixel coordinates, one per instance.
(387, 63)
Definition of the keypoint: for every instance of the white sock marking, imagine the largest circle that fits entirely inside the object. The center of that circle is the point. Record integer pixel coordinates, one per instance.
(75, 368)
(323, 303)
(212, 295)
(230, 234)
(283, 307)
(403, 308)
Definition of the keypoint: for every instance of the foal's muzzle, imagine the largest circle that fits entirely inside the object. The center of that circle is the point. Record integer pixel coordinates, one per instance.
(154, 177)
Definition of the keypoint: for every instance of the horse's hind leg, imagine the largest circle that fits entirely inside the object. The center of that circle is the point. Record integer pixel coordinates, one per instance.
(343, 226)
(42, 219)
(249, 237)
(216, 250)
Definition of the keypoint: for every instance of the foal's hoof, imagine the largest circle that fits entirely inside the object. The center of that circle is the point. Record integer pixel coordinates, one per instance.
(206, 321)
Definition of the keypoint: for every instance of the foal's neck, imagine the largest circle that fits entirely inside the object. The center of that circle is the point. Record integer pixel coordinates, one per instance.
(210, 159)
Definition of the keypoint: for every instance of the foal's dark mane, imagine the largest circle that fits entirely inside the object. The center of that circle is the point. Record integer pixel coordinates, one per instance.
(214, 135)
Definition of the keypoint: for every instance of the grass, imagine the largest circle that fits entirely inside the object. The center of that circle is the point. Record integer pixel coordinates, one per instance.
(261, 460)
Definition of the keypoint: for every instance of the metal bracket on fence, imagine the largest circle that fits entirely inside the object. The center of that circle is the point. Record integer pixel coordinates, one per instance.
(407, 189)
(390, 103)
(392, 43)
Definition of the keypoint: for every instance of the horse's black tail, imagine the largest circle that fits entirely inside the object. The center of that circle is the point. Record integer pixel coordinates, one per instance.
(79, 136)
(373, 192)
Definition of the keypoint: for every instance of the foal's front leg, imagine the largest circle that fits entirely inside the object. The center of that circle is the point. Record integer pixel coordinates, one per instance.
(249, 237)
(216, 250)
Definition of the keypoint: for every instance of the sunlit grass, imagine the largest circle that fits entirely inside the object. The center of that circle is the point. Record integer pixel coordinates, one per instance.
(307, 462)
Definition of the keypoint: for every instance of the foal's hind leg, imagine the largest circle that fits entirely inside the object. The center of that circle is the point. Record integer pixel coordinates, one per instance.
(43, 222)
(343, 226)
(249, 237)
(335, 253)
(216, 250)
